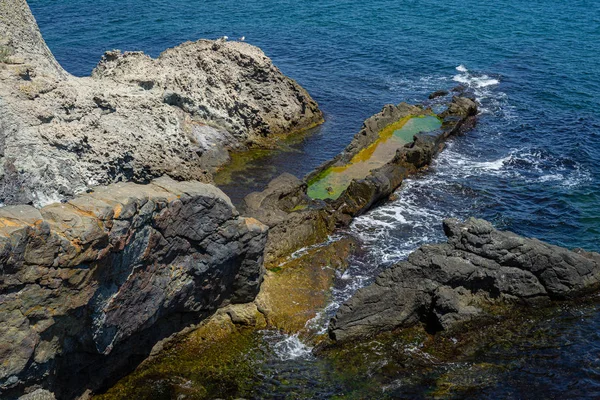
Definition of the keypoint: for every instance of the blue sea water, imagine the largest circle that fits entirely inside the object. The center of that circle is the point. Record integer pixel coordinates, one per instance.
(531, 165)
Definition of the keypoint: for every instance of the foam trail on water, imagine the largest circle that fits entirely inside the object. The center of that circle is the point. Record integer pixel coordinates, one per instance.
(287, 347)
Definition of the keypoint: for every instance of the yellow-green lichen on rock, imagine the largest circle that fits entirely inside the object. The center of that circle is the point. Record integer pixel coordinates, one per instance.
(332, 182)
(213, 360)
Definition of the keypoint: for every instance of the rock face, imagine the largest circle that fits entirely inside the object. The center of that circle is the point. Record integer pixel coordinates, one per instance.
(296, 220)
(136, 118)
(89, 286)
(447, 284)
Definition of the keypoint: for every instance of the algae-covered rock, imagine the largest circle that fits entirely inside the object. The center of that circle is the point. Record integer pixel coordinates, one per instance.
(89, 286)
(212, 360)
(299, 288)
(477, 269)
(296, 220)
(293, 221)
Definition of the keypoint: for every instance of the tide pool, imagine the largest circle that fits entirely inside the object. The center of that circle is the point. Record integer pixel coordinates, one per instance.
(332, 182)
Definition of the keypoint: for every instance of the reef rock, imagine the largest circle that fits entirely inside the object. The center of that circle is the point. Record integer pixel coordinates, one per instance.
(87, 287)
(479, 267)
(136, 118)
(296, 220)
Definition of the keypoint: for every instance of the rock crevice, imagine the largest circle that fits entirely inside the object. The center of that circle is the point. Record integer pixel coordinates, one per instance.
(89, 286)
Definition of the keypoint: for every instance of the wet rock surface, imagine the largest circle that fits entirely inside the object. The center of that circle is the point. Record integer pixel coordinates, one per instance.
(296, 220)
(136, 118)
(88, 287)
(445, 285)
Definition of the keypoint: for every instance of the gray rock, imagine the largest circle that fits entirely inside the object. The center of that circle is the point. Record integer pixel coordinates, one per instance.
(136, 118)
(293, 221)
(282, 195)
(89, 286)
(438, 93)
(39, 394)
(444, 285)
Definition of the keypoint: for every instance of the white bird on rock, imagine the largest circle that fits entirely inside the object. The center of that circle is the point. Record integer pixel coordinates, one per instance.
(242, 38)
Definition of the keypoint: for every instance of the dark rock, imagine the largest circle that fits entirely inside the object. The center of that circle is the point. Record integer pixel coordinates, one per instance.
(282, 195)
(438, 93)
(460, 106)
(88, 287)
(444, 285)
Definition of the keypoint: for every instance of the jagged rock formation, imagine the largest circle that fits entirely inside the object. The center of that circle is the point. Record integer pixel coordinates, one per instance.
(295, 220)
(89, 286)
(136, 118)
(479, 267)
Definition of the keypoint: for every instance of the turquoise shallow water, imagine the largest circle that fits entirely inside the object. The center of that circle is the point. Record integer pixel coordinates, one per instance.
(531, 165)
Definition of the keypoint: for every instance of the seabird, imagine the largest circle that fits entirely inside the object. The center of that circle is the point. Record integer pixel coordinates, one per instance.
(242, 38)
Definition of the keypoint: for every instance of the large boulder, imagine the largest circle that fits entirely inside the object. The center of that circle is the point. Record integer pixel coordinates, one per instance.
(136, 118)
(89, 286)
(477, 269)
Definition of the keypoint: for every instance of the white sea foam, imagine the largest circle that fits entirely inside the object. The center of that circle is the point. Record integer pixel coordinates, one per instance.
(477, 82)
(288, 347)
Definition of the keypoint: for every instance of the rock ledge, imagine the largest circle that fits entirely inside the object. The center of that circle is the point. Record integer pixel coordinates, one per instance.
(479, 267)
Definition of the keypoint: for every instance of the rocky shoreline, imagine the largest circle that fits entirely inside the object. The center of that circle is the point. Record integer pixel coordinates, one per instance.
(136, 118)
(117, 252)
(92, 282)
(479, 269)
(90, 286)
(296, 220)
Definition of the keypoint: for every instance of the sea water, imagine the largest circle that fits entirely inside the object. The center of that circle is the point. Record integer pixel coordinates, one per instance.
(531, 165)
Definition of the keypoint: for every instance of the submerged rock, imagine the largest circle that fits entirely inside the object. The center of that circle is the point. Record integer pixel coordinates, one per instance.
(136, 118)
(438, 93)
(478, 268)
(88, 287)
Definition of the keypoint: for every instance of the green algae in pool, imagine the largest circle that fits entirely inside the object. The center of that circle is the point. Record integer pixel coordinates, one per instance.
(333, 181)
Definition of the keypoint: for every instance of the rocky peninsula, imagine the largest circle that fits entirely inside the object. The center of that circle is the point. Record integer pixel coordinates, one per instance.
(136, 118)
(299, 215)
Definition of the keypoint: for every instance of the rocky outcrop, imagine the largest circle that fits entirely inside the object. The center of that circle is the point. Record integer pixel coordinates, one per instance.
(136, 118)
(296, 220)
(478, 269)
(89, 286)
